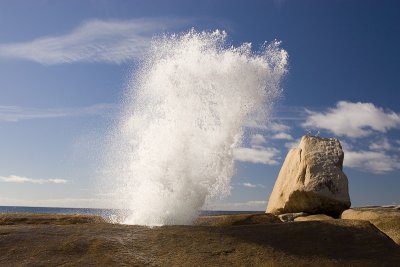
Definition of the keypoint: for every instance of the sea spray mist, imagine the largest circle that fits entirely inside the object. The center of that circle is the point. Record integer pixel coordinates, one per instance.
(183, 115)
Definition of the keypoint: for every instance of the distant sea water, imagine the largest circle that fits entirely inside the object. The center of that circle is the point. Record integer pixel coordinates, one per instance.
(106, 213)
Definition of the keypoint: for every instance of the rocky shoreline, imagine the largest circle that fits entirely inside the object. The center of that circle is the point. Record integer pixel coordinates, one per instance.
(308, 223)
(228, 240)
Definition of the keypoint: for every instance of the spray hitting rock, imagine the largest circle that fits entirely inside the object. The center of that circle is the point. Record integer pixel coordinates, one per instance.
(184, 113)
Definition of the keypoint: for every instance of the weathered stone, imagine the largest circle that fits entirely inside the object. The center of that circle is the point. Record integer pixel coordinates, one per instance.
(311, 179)
(65, 242)
(316, 217)
(386, 219)
(238, 219)
(290, 217)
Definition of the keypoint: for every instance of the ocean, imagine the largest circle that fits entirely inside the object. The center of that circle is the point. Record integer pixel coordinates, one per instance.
(106, 213)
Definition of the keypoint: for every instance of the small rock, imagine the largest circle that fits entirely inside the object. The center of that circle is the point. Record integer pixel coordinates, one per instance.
(290, 217)
(316, 217)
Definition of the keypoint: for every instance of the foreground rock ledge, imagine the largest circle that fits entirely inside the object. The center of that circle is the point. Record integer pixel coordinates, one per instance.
(55, 240)
(311, 179)
(386, 219)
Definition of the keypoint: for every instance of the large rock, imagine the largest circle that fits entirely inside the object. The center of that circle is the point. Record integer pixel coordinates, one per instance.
(318, 243)
(311, 179)
(386, 219)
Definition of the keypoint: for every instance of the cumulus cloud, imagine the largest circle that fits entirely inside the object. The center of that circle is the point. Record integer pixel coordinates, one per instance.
(377, 162)
(22, 180)
(17, 113)
(257, 155)
(278, 127)
(282, 136)
(381, 145)
(257, 139)
(353, 119)
(93, 41)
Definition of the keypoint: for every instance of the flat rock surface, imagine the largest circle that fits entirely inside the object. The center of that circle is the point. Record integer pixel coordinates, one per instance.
(64, 242)
(289, 217)
(316, 217)
(239, 219)
(386, 219)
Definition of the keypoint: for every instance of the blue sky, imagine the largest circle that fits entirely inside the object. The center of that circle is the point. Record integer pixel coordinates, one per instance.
(64, 66)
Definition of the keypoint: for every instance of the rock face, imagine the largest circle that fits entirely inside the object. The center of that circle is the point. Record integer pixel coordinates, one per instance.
(238, 219)
(316, 217)
(311, 179)
(30, 240)
(386, 219)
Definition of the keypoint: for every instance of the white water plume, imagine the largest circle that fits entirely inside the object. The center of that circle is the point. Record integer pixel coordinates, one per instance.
(184, 114)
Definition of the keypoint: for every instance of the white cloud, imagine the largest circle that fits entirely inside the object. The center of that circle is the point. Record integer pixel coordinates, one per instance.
(22, 180)
(16, 113)
(250, 185)
(353, 119)
(256, 155)
(257, 139)
(381, 145)
(93, 41)
(277, 127)
(374, 161)
(282, 136)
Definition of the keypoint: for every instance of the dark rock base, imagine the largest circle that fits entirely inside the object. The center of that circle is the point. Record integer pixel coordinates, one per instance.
(89, 241)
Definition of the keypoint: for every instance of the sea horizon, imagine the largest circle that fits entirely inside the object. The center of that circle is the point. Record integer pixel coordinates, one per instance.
(102, 212)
